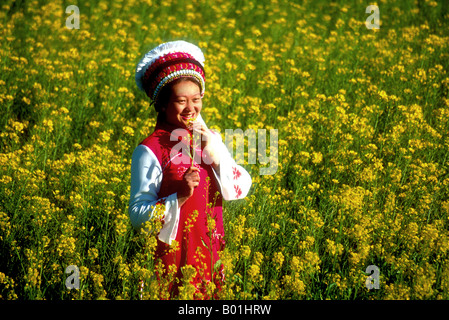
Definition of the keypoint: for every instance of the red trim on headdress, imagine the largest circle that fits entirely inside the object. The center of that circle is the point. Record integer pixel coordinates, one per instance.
(166, 65)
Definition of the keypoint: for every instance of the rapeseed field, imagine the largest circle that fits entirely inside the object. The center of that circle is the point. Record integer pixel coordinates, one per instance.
(362, 172)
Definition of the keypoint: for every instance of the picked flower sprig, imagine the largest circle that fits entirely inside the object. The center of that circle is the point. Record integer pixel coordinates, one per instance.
(191, 123)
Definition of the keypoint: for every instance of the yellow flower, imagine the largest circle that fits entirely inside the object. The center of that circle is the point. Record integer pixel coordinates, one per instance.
(128, 131)
(258, 258)
(317, 157)
(48, 124)
(253, 272)
(246, 252)
(26, 100)
(105, 136)
(92, 253)
(278, 259)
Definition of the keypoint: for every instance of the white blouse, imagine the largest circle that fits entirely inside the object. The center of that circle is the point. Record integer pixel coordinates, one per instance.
(146, 179)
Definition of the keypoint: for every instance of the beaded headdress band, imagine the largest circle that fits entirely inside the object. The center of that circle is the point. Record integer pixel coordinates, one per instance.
(167, 62)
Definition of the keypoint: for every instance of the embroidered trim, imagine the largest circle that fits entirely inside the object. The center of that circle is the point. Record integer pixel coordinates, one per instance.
(170, 67)
(238, 191)
(236, 173)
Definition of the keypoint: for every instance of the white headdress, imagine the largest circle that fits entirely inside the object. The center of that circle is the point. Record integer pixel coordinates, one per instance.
(167, 62)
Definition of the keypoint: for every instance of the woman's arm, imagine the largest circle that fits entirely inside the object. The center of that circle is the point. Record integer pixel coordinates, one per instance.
(233, 179)
(146, 178)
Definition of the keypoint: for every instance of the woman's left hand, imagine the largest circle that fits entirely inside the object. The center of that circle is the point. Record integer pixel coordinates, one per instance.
(204, 134)
(207, 142)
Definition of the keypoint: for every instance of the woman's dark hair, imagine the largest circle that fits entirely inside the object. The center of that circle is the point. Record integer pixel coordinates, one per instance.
(164, 94)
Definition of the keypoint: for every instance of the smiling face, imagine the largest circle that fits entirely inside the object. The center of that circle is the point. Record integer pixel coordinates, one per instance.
(184, 104)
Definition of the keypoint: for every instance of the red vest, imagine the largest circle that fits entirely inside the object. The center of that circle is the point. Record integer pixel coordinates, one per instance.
(199, 235)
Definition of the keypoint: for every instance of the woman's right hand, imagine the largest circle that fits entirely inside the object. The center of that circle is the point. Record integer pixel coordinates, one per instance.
(190, 180)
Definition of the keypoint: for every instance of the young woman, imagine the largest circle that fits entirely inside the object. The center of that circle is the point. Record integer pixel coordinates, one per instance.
(189, 176)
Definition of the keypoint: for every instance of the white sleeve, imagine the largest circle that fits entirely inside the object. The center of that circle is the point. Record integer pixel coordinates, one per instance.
(233, 179)
(146, 179)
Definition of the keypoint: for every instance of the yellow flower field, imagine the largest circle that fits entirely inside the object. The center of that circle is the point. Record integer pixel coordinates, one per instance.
(362, 117)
